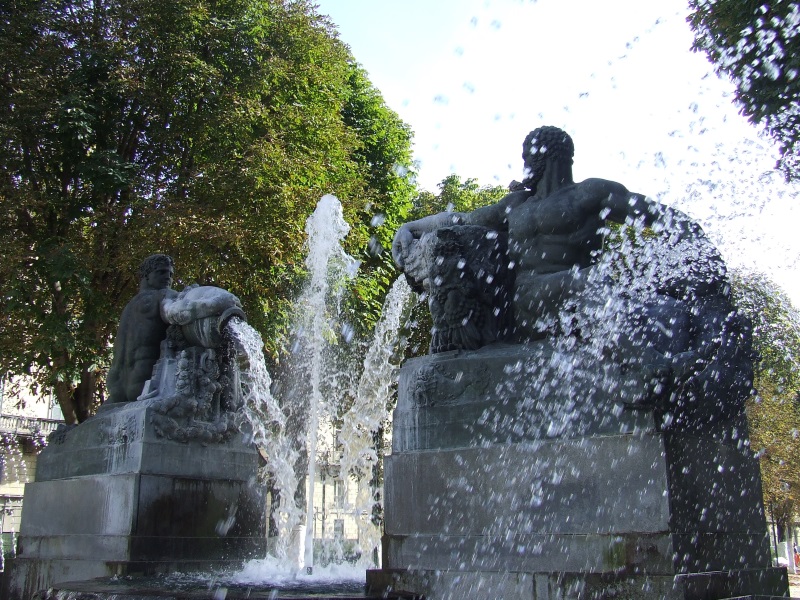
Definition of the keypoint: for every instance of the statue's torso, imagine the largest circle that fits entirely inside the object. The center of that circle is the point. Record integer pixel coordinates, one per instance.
(557, 232)
(142, 327)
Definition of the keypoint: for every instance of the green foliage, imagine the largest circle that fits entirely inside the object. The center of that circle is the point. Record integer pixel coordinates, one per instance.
(384, 159)
(757, 45)
(774, 414)
(776, 328)
(456, 196)
(206, 130)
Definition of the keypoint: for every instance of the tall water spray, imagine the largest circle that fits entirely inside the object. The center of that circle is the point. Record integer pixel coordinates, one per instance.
(369, 412)
(329, 268)
(315, 385)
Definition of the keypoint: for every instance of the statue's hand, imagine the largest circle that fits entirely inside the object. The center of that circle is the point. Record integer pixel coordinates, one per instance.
(415, 262)
(401, 245)
(686, 364)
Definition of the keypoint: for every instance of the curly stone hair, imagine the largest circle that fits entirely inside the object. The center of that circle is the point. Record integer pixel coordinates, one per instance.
(548, 142)
(542, 144)
(153, 262)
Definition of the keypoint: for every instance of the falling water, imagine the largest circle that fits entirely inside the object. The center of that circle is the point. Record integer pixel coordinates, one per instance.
(263, 418)
(285, 426)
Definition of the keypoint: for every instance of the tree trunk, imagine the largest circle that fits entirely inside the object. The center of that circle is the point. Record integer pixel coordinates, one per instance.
(84, 394)
(76, 400)
(772, 529)
(63, 393)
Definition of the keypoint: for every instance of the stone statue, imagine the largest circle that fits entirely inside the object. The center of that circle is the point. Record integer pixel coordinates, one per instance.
(464, 271)
(170, 351)
(163, 476)
(526, 270)
(142, 328)
(689, 337)
(583, 399)
(554, 229)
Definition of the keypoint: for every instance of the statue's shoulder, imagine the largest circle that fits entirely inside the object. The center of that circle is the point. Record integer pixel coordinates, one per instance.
(514, 198)
(595, 185)
(494, 215)
(146, 302)
(169, 294)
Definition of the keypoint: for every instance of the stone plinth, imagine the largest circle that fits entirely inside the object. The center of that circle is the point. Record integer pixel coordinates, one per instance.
(111, 497)
(503, 483)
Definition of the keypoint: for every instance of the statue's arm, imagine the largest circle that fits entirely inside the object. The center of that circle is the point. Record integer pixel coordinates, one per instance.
(621, 206)
(114, 384)
(115, 380)
(168, 297)
(413, 230)
(493, 216)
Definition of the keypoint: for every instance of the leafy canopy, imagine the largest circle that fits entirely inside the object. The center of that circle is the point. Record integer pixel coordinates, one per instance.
(757, 45)
(774, 413)
(206, 130)
(457, 196)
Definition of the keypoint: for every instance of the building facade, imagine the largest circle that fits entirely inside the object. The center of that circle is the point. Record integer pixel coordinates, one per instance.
(26, 419)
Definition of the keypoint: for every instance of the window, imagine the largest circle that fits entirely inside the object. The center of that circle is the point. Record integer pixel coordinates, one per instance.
(338, 493)
(338, 529)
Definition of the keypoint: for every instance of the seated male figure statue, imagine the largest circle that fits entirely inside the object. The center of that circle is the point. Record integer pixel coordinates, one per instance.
(142, 328)
(554, 228)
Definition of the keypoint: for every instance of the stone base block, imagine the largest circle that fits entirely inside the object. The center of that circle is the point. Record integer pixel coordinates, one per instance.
(114, 498)
(121, 438)
(641, 515)
(651, 502)
(757, 583)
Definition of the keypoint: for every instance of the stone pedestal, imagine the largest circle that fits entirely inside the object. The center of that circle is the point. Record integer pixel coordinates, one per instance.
(505, 484)
(112, 497)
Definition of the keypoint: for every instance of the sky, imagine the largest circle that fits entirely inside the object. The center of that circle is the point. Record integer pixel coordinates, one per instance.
(473, 77)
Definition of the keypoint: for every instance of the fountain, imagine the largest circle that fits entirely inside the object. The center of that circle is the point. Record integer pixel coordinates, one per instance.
(165, 478)
(157, 484)
(323, 381)
(578, 430)
(366, 419)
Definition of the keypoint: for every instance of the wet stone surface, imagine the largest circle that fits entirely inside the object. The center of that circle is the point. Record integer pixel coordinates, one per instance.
(165, 588)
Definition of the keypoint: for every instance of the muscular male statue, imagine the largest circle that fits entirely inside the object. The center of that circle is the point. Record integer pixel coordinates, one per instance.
(142, 328)
(554, 228)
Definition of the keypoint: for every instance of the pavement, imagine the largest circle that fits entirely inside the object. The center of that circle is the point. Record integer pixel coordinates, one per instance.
(142, 589)
(794, 586)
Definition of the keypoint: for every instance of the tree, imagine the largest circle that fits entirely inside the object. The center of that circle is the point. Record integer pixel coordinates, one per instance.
(774, 413)
(456, 195)
(206, 130)
(757, 45)
(384, 157)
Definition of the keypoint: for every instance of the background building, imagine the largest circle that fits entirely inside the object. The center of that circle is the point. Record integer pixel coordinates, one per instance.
(26, 419)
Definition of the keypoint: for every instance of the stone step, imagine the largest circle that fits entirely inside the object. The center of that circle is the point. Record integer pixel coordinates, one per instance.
(144, 588)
